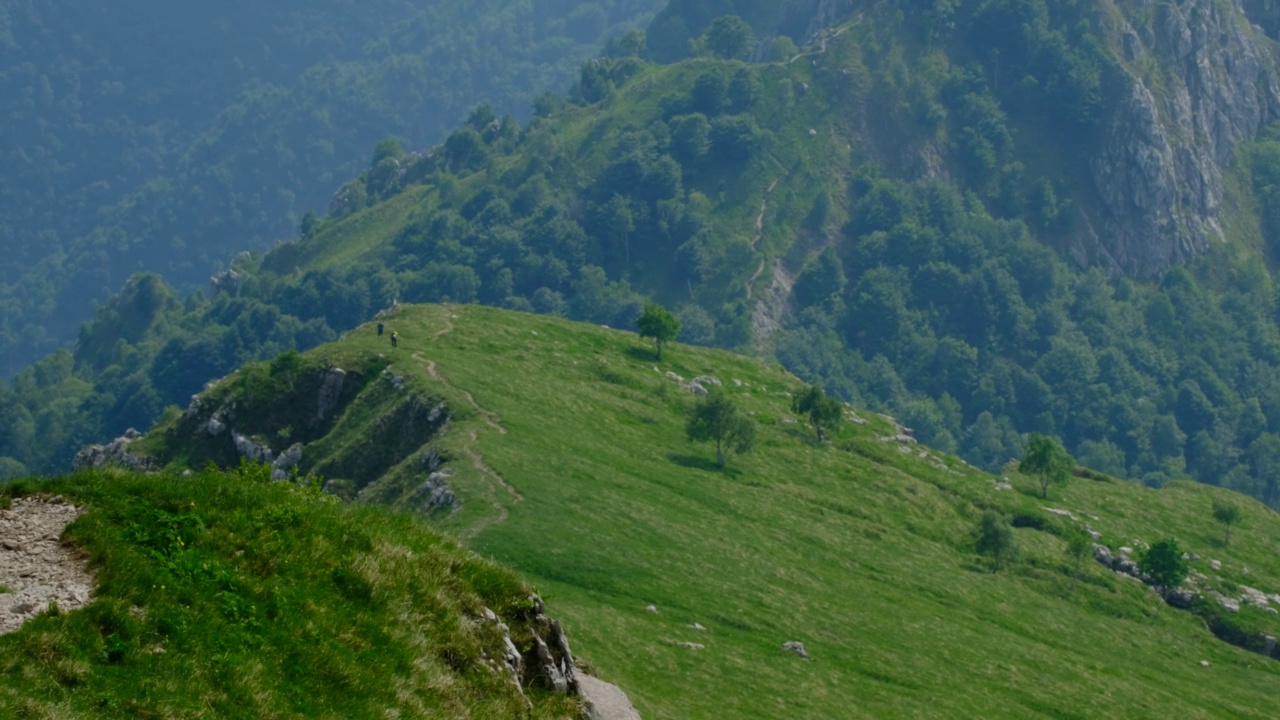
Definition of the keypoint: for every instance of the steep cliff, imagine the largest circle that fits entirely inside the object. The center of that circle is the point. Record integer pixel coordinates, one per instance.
(1198, 79)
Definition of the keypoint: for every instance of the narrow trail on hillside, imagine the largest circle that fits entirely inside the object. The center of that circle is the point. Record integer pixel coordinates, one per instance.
(826, 36)
(755, 240)
(448, 326)
(495, 483)
(490, 418)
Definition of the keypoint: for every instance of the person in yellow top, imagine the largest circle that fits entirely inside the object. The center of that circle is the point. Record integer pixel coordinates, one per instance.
(395, 339)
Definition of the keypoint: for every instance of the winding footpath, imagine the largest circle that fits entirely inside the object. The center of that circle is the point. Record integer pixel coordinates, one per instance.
(495, 483)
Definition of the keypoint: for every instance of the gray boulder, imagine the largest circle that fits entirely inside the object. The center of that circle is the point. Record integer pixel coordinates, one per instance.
(330, 392)
(252, 451)
(605, 701)
(797, 647)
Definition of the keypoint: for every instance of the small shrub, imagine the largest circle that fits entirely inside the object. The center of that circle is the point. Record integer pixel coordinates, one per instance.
(995, 539)
(1031, 519)
(1164, 563)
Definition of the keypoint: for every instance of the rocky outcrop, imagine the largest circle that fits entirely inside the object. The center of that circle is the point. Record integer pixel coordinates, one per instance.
(1158, 169)
(434, 495)
(228, 281)
(115, 452)
(797, 647)
(330, 392)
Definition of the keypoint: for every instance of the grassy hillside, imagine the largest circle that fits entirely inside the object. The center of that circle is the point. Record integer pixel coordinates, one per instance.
(566, 445)
(226, 595)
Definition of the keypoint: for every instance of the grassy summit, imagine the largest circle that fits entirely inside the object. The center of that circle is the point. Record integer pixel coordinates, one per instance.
(566, 444)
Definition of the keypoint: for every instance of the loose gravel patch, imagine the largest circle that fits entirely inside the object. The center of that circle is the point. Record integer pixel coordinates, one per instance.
(36, 569)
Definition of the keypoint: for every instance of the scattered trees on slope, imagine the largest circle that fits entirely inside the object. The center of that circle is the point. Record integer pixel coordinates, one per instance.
(716, 419)
(1228, 514)
(658, 323)
(995, 539)
(824, 412)
(1047, 461)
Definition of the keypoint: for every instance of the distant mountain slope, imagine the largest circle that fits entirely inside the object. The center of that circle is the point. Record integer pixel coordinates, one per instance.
(880, 210)
(565, 446)
(170, 136)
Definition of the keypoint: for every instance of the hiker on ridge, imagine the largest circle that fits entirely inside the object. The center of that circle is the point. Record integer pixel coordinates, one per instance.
(395, 339)
(381, 327)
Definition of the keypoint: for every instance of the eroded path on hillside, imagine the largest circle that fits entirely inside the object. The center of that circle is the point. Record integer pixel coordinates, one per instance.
(759, 234)
(824, 37)
(490, 417)
(495, 484)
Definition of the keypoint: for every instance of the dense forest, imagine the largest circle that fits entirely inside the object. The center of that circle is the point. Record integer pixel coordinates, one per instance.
(937, 298)
(167, 137)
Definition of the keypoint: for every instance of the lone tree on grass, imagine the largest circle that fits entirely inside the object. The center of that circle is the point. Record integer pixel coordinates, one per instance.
(1228, 515)
(716, 418)
(995, 538)
(823, 411)
(1164, 564)
(1046, 459)
(658, 323)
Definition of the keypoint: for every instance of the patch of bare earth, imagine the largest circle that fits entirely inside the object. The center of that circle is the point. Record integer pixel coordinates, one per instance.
(36, 569)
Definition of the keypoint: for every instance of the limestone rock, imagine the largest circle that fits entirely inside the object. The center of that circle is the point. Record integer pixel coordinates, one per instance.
(330, 392)
(251, 450)
(227, 281)
(114, 453)
(605, 701)
(1181, 598)
(1158, 170)
(695, 387)
(797, 647)
(215, 426)
(434, 494)
(286, 461)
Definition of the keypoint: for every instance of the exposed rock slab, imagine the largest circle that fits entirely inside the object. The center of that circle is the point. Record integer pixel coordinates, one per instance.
(35, 565)
(605, 701)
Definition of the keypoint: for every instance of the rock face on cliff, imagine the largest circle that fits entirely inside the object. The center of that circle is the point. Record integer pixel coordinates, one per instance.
(114, 453)
(1171, 131)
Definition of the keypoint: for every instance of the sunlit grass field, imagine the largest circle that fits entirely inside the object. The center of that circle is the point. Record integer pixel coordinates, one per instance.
(568, 450)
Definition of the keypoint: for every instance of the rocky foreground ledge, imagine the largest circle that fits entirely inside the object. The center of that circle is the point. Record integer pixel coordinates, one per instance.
(36, 569)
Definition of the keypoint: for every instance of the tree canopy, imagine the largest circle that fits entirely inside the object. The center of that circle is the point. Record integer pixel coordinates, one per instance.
(1045, 459)
(824, 412)
(995, 539)
(729, 37)
(1164, 564)
(658, 323)
(716, 419)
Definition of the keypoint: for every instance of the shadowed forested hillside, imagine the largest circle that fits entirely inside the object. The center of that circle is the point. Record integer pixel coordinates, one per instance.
(170, 136)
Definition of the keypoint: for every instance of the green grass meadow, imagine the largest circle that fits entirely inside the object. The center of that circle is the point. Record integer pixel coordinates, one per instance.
(860, 548)
(566, 445)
